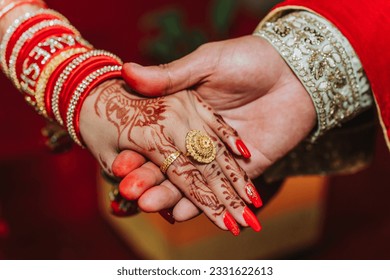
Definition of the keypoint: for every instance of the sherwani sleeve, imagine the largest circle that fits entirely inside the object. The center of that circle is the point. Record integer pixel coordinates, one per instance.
(363, 27)
(366, 25)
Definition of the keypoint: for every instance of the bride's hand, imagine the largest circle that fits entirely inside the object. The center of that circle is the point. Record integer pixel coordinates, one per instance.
(250, 85)
(157, 128)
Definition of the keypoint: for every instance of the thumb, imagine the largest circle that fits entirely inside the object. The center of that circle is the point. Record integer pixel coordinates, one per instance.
(167, 78)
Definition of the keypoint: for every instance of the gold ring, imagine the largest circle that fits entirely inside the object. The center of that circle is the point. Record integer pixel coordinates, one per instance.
(168, 161)
(200, 146)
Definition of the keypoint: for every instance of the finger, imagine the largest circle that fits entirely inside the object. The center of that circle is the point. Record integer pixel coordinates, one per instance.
(167, 199)
(200, 146)
(185, 210)
(182, 173)
(212, 190)
(160, 197)
(236, 175)
(222, 187)
(238, 178)
(106, 160)
(225, 132)
(169, 78)
(141, 179)
(125, 162)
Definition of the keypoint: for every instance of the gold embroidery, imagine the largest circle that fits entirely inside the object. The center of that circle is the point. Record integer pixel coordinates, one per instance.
(325, 63)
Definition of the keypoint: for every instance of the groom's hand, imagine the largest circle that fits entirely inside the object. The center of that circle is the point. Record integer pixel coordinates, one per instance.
(250, 85)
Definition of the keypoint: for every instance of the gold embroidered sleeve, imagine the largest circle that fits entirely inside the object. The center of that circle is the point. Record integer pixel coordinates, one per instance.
(325, 63)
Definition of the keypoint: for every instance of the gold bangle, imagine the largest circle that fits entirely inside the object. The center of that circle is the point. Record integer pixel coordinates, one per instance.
(46, 74)
(64, 76)
(70, 113)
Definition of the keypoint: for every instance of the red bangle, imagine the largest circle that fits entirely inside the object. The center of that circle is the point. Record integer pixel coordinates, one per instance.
(80, 94)
(18, 27)
(78, 75)
(47, 73)
(53, 81)
(23, 28)
(63, 80)
(26, 38)
(35, 54)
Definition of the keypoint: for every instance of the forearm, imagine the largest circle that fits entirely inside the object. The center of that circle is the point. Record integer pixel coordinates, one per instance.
(50, 63)
(12, 9)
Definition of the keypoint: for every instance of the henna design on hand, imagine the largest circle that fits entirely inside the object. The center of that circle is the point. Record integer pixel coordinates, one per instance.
(198, 188)
(226, 130)
(140, 124)
(105, 166)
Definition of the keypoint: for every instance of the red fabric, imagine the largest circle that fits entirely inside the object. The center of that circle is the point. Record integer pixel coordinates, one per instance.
(366, 24)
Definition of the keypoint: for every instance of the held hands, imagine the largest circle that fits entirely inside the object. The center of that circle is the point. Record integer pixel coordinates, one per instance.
(247, 82)
(157, 129)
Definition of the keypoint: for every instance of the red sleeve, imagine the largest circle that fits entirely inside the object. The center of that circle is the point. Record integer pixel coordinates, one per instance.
(366, 24)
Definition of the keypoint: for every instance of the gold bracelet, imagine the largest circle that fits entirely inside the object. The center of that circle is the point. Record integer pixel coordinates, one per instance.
(76, 97)
(46, 74)
(64, 76)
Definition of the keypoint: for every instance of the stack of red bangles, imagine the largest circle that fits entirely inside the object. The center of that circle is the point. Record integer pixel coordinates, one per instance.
(53, 66)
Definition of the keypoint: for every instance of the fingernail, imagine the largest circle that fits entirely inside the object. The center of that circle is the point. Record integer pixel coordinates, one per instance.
(253, 195)
(243, 149)
(251, 219)
(231, 223)
(167, 214)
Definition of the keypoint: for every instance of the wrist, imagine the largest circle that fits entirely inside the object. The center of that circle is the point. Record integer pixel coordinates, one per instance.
(53, 66)
(15, 13)
(95, 129)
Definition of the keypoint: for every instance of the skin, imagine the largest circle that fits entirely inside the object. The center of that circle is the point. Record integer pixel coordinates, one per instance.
(115, 119)
(247, 82)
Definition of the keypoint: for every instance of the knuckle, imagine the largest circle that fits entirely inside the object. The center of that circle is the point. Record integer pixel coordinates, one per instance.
(221, 151)
(211, 172)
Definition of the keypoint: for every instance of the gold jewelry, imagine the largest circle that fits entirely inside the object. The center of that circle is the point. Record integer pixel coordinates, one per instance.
(46, 74)
(25, 37)
(15, 25)
(168, 161)
(325, 63)
(200, 146)
(55, 99)
(74, 101)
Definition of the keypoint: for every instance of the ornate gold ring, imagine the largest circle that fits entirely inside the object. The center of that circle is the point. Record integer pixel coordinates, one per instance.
(200, 146)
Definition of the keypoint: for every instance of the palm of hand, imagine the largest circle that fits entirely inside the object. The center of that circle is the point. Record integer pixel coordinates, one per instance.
(256, 93)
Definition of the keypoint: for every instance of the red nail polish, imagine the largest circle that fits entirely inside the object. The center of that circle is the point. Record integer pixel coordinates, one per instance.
(251, 219)
(243, 149)
(231, 224)
(167, 214)
(253, 195)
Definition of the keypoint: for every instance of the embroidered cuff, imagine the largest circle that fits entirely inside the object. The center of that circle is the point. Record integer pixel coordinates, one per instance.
(326, 64)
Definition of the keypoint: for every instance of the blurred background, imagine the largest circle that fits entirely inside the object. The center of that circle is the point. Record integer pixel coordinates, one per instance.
(55, 206)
